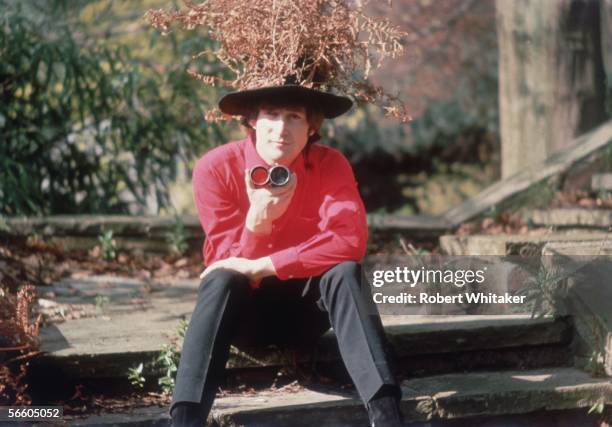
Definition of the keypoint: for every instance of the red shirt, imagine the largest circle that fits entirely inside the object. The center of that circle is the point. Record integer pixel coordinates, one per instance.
(324, 224)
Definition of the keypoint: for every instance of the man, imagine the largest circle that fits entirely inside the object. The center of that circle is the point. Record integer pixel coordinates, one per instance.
(282, 262)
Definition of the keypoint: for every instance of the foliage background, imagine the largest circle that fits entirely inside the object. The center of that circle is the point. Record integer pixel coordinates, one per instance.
(99, 115)
(87, 124)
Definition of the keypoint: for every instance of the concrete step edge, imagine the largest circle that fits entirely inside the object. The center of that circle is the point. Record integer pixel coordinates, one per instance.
(441, 334)
(452, 396)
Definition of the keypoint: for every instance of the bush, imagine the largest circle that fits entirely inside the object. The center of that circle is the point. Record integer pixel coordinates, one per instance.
(86, 128)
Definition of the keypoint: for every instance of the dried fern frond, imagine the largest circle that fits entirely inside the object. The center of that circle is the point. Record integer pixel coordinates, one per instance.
(16, 327)
(323, 44)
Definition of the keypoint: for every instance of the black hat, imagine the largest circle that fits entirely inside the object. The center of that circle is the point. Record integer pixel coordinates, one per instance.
(241, 102)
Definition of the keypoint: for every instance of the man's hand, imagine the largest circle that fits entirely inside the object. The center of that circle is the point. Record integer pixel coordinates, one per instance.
(267, 203)
(254, 269)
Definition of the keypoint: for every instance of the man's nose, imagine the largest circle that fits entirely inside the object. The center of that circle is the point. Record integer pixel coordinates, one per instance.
(281, 126)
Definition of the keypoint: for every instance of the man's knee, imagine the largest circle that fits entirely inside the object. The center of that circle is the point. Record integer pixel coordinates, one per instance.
(348, 271)
(343, 277)
(224, 280)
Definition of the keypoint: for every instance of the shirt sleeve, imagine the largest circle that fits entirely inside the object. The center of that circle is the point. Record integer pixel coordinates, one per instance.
(221, 216)
(343, 230)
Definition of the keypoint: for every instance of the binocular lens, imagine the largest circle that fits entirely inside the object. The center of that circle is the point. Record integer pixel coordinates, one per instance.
(259, 175)
(277, 176)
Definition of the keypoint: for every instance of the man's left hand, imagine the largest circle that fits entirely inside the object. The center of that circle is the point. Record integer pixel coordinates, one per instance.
(254, 269)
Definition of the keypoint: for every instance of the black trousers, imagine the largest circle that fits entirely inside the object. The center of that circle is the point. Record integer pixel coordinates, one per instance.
(293, 312)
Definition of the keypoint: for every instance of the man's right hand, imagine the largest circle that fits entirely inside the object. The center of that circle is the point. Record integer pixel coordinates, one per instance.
(267, 203)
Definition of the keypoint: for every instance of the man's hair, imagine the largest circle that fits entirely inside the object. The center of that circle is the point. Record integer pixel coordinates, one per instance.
(314, 116)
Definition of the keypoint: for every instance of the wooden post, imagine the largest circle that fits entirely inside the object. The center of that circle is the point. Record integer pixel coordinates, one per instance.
(551, 77)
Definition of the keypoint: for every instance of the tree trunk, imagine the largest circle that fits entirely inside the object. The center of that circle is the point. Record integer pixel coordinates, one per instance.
(551, 77)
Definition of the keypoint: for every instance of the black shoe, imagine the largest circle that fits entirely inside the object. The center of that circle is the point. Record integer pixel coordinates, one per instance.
(385, 412)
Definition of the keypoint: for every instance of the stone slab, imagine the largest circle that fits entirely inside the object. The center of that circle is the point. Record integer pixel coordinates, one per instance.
(133, 233)
(450, 334)
(581, 251)
(153, 416)
(511, 392)
(158, 226)
(93, 225)
(427, 335)
(601, 181)
(306, 408)
(149, 233)
(572, 218)
(141, 244)
(434, 344)
(408, 223)
(444, 397)
(503, 244)
(132, 326)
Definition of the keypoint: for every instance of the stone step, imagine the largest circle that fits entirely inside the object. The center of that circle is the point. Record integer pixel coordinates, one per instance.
(509, 244)
(431, 399)
(415, 227)
(601, 181)
(159, 226)
(150, 233)
(571, 218)
(588, 268)
(125, 321)
(94, 225)
(132, 233)
(428, 344)
(126, 331)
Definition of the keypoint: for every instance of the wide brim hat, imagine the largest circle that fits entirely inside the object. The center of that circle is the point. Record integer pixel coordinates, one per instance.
(242, 102)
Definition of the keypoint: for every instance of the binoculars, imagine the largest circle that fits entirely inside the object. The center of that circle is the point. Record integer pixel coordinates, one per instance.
(276, 176)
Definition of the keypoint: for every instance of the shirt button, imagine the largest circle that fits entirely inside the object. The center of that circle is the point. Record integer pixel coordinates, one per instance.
(269, 245)
(291, 276)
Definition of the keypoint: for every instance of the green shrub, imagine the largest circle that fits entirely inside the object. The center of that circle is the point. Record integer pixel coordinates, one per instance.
(177, 237)
(85, 127)
(136, 378)
(108, 245)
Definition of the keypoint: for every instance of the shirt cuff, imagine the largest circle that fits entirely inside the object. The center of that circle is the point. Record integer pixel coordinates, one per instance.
(250, 243)
(286, 263)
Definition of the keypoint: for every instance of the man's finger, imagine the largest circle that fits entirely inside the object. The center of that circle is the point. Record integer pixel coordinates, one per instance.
(286, 191)
(279, 191)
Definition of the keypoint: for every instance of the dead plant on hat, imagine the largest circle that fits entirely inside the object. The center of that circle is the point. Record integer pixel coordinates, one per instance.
(322, 44)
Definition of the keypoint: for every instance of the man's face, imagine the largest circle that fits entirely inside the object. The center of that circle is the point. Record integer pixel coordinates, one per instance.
(281, 133)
